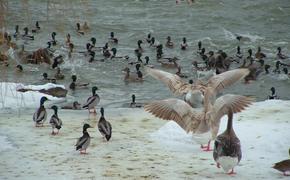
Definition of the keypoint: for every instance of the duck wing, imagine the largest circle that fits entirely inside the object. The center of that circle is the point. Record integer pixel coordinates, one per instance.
(91, 100)
(177, 110)
(174, 82)
(221, 107)
(39, 115)
(83, 141)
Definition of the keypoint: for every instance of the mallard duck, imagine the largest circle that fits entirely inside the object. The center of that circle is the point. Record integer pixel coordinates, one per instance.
(259, 54)
(194, 92)
(283, 166)
(92, 101)
(79, 31)
(280, 55)
(239, 55)
(75, 106)
(84, 141)
(169, 62)
(74, 85)
(227, 148)
(273, 94)
(203, 123)
(169, 43)
(104, 126)
(183, 45)
(133, 104)
(139, 50)
(55, 121)
(37, 28)
(133, 77)
(39, 117)
(113, 39)
(58, 75)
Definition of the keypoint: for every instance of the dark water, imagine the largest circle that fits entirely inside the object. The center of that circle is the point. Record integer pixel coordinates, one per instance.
(265, 22)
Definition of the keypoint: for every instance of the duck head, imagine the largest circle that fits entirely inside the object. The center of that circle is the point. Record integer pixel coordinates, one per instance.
(279, 50)
(133, 98)
(114, 50)
(93, 40)
(239, 49)
(19, 68)
(199, 44)
(86, 126)
(202, 51)
(78, 26)
(76, 105)
(267, 66)
(149, 36)
(74, 78)
(44, 75)
(88, 46)
(273, 90)
(37, 25)
(285, 70)
(54, 109)
(53, 34)
(139, 42)
(250, 52)
(48, 44)
(25, 30)
(102, 111)
(168, 38)
(190, 81)
(184, 40)
(259, 49)
(94, 89)
(112, 35)
(147, 60)
(152, 40)
(42, 100)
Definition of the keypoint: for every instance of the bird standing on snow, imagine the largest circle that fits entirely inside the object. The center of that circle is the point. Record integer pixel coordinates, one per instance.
(55, 122)
(40, 115)
(92, 101)
(104, 126)
(227, 148)
(84, 141)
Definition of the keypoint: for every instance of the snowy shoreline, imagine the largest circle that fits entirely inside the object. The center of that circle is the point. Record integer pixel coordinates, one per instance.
(142, 146)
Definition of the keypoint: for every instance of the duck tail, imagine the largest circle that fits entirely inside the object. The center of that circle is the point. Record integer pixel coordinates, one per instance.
(108, 137)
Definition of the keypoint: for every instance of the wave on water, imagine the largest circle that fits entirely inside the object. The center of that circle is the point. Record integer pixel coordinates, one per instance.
(5, 144)
(246, 36)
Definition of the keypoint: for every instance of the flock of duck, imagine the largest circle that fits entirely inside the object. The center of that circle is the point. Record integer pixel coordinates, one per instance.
(199, 112)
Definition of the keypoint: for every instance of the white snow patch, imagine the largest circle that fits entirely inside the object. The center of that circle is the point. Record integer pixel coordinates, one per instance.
(11, 98)
(5, 144)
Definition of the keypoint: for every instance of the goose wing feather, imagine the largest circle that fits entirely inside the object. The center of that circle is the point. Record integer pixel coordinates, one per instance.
(177, 110)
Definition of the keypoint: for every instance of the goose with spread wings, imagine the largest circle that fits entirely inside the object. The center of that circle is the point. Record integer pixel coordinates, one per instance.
(204, 124)
(194, 93)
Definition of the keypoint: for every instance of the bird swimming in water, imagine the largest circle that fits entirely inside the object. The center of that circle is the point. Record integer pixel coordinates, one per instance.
(55, 121)
(283, 166)
(227, 148)
(133, 104)
(104, 126)
(40, 115)
(84, 141)
(92, 101)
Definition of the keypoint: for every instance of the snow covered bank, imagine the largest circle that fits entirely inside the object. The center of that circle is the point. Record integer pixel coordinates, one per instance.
(142, 146)
(11, 98)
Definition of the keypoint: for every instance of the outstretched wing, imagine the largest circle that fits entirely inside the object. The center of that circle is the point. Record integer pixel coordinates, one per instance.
(174, 82)
(177, 110)
(221, 107)
(226, 79)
